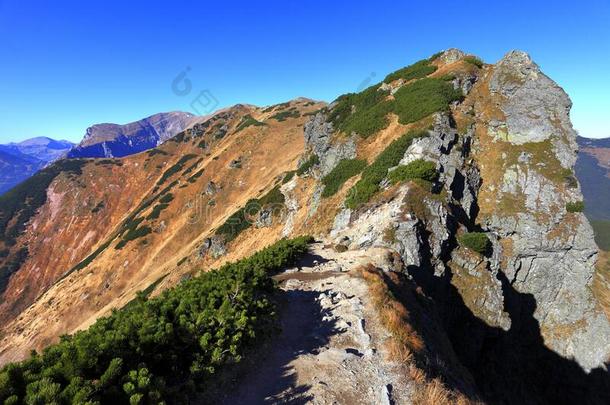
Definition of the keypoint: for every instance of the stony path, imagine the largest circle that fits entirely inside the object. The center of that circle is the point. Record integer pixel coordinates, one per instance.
(329, 349)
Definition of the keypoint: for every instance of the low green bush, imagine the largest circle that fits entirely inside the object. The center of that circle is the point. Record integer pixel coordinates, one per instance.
(578, 206)
(249, 121)
(476, 241)
(308, 164)
(175, 168)
(156, 211)
(98, 207)
(473, 60)
(156, 151)
(368, 185)
(109, 162)
(417, 169)
(422, 98)
(415, 71)
(195, 176)
(284, 115)
(192, 167)
(243, 218)
(345, 169)
(164, 349)
(363, 113)
(167, 198)
(133, 235)
(288, 176)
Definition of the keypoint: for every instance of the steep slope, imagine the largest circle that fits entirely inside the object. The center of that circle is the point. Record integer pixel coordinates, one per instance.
(126, 223)
(461, 172)
(19, 161)
(114, 140)
(593, 172)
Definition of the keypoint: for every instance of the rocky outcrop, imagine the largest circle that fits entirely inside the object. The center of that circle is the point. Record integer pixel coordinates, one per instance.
(318, 138)
(553, 253)
(509, 173)
(213, 246)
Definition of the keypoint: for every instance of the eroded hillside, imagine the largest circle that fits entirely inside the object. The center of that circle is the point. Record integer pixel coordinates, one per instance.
(461, 170)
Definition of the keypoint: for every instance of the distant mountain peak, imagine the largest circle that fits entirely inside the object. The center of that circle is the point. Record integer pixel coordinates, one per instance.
(116, 140)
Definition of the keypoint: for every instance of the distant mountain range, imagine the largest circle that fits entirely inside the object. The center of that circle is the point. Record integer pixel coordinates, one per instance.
(593, 172)
(19, 161)
(113, 140)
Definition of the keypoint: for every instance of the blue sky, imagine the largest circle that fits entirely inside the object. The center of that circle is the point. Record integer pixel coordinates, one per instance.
(65, 65)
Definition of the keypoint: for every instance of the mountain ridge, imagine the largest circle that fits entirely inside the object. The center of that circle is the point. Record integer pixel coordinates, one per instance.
(116, 140)
(471, 199)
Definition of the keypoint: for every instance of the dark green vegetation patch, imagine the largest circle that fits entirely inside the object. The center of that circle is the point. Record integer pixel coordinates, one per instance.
(368, 185)
(195, 176)
(284, 115)
(162, 349)
(248, 121)
(415, 71)
(191, 167)
(424, 97)
(175, 168)
(308, 164)
(475, 241)
(417, 169)
(365, 113)
(345, 169)
(244, 217)
(473, 60)
(288, 176)
(109, 162)
(157, 151)
(578, 206)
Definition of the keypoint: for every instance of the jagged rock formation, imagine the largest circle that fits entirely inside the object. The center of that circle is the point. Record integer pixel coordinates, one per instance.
(493, 240)
(114, 140)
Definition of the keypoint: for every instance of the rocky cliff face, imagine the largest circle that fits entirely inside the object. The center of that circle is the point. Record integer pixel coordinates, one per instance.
(506, 157)
(462, 173)
(114, 140)
(552, 251)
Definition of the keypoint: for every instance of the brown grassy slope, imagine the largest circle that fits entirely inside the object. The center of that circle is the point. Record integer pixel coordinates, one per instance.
(113, 278)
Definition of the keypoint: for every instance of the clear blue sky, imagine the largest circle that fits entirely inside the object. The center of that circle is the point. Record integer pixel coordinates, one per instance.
(65, 65)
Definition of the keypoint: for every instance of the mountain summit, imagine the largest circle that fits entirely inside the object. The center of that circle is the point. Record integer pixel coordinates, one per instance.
(452, 260)
(114, 140)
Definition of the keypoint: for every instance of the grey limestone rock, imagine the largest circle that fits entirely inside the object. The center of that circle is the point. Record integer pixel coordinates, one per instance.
(318, 134)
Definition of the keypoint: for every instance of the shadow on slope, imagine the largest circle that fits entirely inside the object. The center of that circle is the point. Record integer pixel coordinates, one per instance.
(511, 366)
